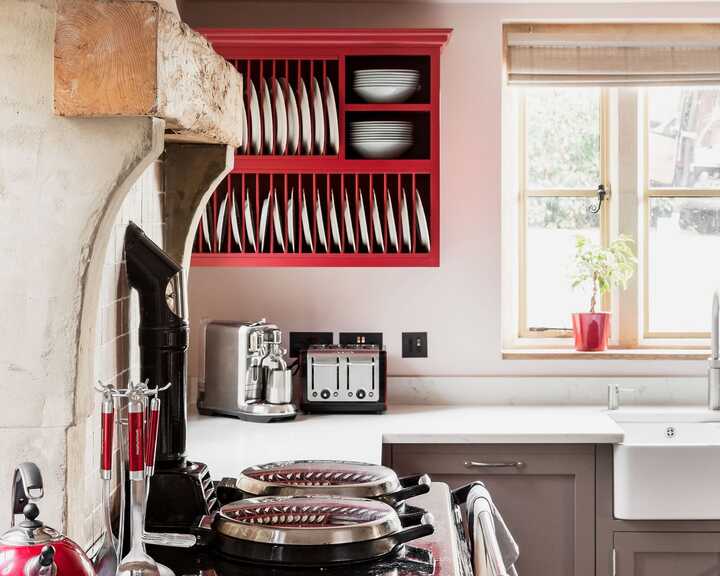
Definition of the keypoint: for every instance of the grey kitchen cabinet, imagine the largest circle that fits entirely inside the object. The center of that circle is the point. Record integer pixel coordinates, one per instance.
(546, 493)
(667, 553)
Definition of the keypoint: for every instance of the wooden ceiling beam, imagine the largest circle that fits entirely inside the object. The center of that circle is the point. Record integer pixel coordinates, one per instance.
(120, 58)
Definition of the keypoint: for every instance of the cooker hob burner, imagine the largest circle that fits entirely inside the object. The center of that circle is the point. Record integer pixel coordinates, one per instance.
(327, 477)
(311, 530)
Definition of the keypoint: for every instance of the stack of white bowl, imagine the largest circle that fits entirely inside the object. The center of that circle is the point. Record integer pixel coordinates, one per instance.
(385, 84)
(381, 138)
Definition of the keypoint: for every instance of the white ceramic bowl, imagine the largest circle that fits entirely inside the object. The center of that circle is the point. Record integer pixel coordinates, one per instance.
(386, 93)
(382, 148)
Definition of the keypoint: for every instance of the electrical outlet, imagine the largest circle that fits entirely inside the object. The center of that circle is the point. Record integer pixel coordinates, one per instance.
(300, 341)
(414, 345)
(371, 338)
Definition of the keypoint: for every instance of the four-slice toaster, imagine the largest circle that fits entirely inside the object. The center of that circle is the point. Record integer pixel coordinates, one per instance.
(344, 379)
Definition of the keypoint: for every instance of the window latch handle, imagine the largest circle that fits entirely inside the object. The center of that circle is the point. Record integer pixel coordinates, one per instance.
(601, 194)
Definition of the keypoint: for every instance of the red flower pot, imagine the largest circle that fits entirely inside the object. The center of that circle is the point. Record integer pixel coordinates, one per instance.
(592, 330)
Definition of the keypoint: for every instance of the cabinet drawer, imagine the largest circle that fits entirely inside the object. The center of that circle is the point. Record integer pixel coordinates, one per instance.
(475, 460)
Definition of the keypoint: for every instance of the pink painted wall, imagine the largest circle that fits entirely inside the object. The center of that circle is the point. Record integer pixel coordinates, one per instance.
(459, 303)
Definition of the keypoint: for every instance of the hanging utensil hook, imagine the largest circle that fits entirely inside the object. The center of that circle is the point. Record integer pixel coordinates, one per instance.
(601, 194)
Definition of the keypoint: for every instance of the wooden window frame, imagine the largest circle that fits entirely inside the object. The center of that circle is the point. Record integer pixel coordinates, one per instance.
(526, 192)
(624, 142)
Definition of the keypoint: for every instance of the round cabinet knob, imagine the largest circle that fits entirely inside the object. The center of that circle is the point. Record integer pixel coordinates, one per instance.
(325, 394)
(361, 394)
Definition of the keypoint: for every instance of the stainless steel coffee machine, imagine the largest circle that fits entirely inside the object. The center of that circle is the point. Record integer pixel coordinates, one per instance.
(246, 374)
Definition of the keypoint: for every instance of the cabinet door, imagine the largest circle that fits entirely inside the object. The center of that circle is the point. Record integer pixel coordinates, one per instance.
(667, 554)
(547, 501)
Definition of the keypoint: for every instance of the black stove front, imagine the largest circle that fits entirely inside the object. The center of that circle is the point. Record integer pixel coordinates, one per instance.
(410, 561)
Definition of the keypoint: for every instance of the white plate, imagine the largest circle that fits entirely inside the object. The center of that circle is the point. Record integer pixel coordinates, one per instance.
(219, 227)
(244, 120)
(333, 130)
(291, 220)
(277, 224)
(293, 119)
(364, 235)
(306, 132)
(319, 117)
(234, 225)
(349, 231)
(249, 227)
(206, 228)
(405, 221)
(280, 119)
(377, 224)
(422, 221)
(267, 117)
(307, 232)
(320, 223)
(334, 226)
(392, 225)
(254, 120)
(263, 222)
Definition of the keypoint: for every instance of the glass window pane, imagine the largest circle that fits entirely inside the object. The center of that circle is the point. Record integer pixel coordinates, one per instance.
(684, 137)
(683, 248)
(563, 138)
(553, 224)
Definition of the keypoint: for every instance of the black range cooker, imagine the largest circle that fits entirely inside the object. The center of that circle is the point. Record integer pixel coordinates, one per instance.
(442, 553)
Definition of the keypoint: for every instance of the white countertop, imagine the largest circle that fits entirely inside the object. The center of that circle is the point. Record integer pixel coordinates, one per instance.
(228, 445)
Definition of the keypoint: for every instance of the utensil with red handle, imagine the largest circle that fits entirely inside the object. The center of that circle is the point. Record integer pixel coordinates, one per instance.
(159, 538)
(137, 562)
(107, 557)
(151, 436)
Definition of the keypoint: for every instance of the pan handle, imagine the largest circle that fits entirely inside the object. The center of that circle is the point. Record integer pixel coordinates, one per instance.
(414, 532)
(421, 486)
(410, 518)
(412, 479)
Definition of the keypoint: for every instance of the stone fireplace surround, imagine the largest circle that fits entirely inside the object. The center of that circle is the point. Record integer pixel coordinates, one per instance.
(68, 187)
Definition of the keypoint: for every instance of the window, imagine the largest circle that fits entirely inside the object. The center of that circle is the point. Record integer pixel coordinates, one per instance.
(563, 135)
(682, 197)
(570, 142)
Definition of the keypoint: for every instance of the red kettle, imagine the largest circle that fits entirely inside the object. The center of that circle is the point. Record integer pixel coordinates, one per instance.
(30, 548)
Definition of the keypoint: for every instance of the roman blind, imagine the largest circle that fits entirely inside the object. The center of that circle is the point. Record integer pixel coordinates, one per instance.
(629, 54)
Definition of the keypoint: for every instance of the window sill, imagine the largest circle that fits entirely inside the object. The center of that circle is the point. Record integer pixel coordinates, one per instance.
(609, 354)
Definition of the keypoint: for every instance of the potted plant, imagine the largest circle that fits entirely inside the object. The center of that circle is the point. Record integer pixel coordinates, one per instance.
(602, 268)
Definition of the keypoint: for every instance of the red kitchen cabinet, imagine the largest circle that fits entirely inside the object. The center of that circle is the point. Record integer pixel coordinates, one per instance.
(328, 207)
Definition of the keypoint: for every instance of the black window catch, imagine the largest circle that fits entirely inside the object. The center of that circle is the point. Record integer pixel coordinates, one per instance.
(601, 194)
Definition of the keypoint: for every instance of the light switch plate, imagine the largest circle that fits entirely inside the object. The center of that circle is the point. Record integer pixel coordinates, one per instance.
(414, 345)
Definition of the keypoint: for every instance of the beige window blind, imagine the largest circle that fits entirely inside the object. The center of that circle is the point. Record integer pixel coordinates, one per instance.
(614, 54)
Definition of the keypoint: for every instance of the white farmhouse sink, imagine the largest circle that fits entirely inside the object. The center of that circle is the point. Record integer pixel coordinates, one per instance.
(668, 466)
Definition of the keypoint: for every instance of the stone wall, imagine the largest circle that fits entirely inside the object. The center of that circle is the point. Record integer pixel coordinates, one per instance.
(116, 352)
(62, 182)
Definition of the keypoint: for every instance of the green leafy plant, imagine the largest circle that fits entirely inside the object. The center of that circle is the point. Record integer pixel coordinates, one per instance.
(603, 267)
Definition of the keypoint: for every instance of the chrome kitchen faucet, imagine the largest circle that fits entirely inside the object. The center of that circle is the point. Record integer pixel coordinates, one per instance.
(714, 360)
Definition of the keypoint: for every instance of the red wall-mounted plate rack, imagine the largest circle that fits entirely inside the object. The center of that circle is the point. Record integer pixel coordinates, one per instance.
(325, 207)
